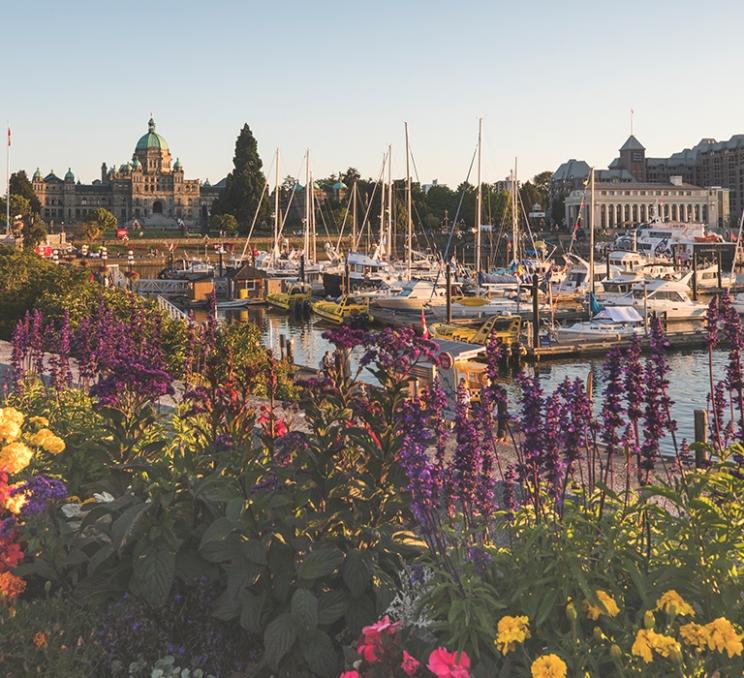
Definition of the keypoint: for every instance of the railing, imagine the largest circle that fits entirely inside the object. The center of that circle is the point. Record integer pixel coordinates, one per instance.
(170, 309)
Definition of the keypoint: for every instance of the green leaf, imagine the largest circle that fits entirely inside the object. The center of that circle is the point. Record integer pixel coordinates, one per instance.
(320, 562)
(99, 557)
(357, 573)
(359, 613)
(279, 637)
(304, 608)
(331, 606)
(320, 654)
(254, 551)
(124, 525)
(250, 611)
(217, 531)
(153, 570)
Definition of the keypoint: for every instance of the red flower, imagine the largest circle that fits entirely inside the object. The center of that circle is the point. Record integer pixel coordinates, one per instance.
(446, 664)
(410, 664)
(350, 674)
(370, 647)
(368, 652)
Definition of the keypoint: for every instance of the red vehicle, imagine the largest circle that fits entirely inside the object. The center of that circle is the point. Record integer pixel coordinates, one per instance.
(122, 233)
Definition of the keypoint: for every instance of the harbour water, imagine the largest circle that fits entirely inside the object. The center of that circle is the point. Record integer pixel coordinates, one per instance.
(689, 380)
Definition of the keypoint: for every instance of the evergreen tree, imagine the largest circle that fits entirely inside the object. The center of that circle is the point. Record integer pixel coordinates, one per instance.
(20, 185)
(244, 184)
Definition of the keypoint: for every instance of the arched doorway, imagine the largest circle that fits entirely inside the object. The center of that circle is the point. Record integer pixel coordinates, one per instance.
(157, 207)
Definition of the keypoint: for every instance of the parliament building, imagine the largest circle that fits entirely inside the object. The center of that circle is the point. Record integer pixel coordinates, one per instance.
(150, 190)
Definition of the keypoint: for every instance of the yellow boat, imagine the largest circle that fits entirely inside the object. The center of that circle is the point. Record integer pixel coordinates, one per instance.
(344, 309)
(507, 329)
(293, 295)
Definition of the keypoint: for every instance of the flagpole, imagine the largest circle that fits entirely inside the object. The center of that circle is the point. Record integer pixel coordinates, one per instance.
(7, 183)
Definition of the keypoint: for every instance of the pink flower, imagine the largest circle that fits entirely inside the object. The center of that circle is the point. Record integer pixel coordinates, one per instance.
(446, 664)
(350, 674)
(373, 632)
(410, 664)
(368, 651)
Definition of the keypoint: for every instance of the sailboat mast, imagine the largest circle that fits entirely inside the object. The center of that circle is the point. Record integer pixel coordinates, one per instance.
(7, 184)
(515, 216)
(389, 241)
(591, 234)
(381, 246)
(479, 203)
(276, 205)
(354, 217)
(313, 234)
(308, 193)
(409, 238)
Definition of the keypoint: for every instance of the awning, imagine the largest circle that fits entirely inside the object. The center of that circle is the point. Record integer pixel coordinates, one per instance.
(619, 314)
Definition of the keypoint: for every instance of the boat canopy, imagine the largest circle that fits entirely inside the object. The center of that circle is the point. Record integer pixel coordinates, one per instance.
(619, 314)
(357, 259)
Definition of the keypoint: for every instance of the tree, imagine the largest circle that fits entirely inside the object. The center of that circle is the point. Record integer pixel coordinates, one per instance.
(20, 185)
(245, 184)
(223, 222)
(101, 220)
(350, 176)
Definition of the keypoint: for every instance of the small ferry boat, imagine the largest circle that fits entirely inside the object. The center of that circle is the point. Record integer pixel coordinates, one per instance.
(294, 294)
(505, 327)
(665, 298)
(344, 309)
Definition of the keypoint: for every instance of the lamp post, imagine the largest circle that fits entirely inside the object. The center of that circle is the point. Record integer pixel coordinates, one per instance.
(55, 257)
(130, 261)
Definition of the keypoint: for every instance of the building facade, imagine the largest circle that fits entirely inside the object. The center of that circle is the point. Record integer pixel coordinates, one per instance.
(151, 189)
(622, 205)
(710, 164)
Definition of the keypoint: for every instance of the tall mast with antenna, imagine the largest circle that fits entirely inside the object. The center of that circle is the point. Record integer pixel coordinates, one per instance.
(389, 242)
(591, 234)
(7, 183)
(276, 206)
(354, 217)
(515, 215)
(313, 234)
(381, 246)
(479, 204)
(308, 198)
(409, 237)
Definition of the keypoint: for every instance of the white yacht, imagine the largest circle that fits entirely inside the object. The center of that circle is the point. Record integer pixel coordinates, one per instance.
(613, 322)
(665, 298)
(417, 294)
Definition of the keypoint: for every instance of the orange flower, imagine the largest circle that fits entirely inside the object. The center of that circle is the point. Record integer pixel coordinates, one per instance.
(11, 586)
(40, 639)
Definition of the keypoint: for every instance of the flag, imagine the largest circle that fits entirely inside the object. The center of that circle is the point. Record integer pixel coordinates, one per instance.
(424, 328)
(8, 135)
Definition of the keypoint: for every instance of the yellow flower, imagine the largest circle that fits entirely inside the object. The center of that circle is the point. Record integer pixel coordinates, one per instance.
(40, 436)
(14, 503)
(648, 641)
(695, 635)
(12, 414)
(674, 604)
(9, 430)
(39, 421)
(549, 666)
(607, 605)
(723, 637)
(53, 444)
(511, 630)
(14, 457)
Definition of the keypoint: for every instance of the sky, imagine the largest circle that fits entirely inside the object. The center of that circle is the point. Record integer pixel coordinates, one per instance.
(551, 80)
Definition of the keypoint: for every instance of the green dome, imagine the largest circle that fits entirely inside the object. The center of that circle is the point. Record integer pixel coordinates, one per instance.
(151, 139)
(37, 175)
(136, 164)
(177, 166)
(69, 176)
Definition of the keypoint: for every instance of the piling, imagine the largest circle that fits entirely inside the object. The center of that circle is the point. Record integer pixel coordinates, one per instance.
(302, 268)
(347, 281)
(720, 280)
(282, 344)
(290, 351)
(607, 265)
(701, 436)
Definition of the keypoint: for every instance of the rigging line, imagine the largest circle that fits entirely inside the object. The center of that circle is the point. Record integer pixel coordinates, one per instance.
(527, 221)
(369, 203)
(289, 204)
(258, 209)
(454, 222)
(343, 223)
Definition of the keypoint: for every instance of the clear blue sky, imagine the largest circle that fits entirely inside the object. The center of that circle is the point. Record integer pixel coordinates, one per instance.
(552, 80)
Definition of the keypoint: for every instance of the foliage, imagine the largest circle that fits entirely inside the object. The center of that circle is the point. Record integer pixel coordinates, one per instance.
(21, 186)
(48, 636)
(244, 185)
(100, 221)
(226, 223)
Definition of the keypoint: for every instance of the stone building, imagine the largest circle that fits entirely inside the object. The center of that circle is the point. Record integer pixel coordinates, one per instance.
(710, 164)
(620, 205)
(151, 189)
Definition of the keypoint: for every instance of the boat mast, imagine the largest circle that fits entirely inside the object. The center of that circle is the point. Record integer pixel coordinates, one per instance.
(479, 204)
(7, 184)
(275, 253)
(381, 246)
(314, 235)
(591, 233)
(389, 241)
(308, 194)
(353, 217)
(515, 216)
(409, 238)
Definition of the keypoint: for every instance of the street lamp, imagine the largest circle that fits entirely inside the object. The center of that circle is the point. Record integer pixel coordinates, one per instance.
(130, 261)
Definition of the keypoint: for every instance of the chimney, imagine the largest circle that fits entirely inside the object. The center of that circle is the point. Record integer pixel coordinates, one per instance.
(675, 180)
